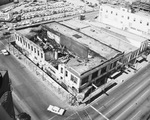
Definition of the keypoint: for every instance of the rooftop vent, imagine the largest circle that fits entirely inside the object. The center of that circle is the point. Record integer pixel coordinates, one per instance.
(77, 36)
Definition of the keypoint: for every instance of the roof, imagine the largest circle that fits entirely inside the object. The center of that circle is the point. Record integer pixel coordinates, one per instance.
(93, 44)
(100, 52)
(75, 24)
(143, 14)
(115, 40)
(119, 43)
(74, 65)
(79, 68)
(141, 5)
(117, 6)
(132, 39)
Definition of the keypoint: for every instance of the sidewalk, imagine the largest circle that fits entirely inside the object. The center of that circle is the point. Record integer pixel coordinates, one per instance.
(130, 71)
(120, 79)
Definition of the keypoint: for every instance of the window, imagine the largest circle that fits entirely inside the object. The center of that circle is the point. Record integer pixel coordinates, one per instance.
(84, 80)
(141, 21)
(41, 55)
(116, 14)
(66, 73)
(32, 48)
(35, 50)
(111, 12)
(115, 63)
(95, 74)
(38, 52)
(73, 79)
(111, 65)
(128, 17)
(20, 40)
(15, 36)
(28, 45)
(103, 70)
(61, 70)
(23, 42)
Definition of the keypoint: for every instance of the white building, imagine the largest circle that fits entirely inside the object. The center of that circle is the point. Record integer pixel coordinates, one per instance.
(131, 19)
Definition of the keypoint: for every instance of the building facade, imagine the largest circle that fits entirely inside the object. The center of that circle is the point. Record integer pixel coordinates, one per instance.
(128, 18)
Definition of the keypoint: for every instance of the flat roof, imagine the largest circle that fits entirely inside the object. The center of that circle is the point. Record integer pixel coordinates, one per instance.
(74, 65)
(79, 68)
(142, 13)
(93, 44)
(120, 42)
(117, 32)
(75, 24)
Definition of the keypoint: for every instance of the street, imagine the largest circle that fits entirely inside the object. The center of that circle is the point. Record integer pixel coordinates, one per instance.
(122, 103)
(29, 89)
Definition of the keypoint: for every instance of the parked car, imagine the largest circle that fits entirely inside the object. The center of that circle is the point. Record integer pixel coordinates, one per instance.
(5, 52)
(56, 110)
(5, 33)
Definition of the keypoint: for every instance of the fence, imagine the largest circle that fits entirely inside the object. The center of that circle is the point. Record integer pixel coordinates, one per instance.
(58, 90)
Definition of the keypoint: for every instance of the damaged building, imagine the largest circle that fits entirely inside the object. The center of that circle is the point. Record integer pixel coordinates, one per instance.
(70, 57)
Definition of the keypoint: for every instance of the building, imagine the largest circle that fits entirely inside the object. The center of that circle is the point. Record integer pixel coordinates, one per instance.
(131, 45)
(70, 57)
(6, 102)
(133, 18)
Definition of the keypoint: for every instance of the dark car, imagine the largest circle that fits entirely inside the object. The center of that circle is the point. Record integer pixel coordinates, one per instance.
(6, 33)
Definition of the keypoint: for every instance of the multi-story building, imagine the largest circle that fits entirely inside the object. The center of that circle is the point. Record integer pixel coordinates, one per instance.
(6, 102)
(69, 56)
(133, 18)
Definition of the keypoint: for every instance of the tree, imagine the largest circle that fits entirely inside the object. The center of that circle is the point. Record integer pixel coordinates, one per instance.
(23, 116)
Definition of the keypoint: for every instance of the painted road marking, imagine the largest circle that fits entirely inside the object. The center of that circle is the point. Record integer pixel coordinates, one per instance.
(131, 85)
(99, 112)
(70, 115)
(135, 115)
(135, 90)
(88, 115)
(52, 117)
(132, 104)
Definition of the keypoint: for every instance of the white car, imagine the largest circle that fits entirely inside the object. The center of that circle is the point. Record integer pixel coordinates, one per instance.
(5, 52)
(56, 109)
